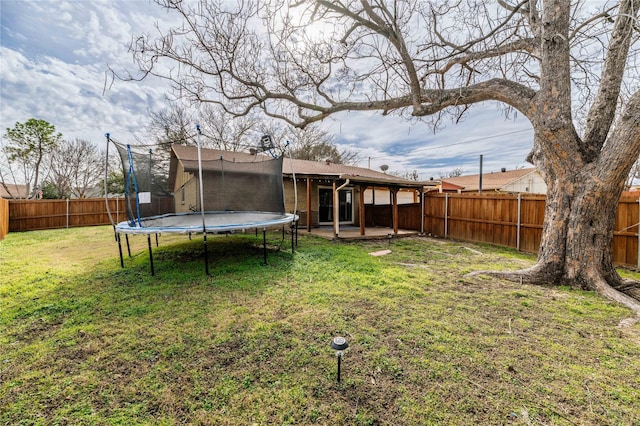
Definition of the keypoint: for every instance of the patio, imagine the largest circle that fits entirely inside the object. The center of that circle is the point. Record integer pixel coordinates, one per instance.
(350, 232)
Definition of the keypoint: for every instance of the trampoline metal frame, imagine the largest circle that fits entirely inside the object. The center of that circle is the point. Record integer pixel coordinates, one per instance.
(283, 219)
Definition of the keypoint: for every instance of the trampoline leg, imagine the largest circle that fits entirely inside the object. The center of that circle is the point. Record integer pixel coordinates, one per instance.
(153, 272)
(126, 237)
(264, 245)
(293, 250)
(156, 240)
(283, 232)
(206, 254)
(120, 250)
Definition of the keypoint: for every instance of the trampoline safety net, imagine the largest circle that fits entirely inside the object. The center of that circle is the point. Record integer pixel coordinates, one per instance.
(230, 181)
(242, 185)
(239, 192)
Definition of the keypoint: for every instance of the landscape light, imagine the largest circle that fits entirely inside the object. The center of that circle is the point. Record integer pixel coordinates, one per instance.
(339, 344)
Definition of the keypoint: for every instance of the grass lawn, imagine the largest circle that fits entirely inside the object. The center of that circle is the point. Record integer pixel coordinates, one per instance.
(83, 341)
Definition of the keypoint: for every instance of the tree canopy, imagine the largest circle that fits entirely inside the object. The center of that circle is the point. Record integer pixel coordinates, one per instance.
(29, 143)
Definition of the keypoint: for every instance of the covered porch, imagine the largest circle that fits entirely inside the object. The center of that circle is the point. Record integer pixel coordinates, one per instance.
(359, 229)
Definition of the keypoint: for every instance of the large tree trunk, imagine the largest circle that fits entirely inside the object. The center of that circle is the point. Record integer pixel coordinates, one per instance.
(575, 248)
(578, 231)
(583, 189)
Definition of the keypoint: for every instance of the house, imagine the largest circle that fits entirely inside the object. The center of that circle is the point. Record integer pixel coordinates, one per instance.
(322, 193)
(512, 181)
(9, 190)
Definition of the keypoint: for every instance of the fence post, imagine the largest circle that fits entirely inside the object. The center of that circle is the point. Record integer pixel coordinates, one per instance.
(446, 214)
(67, 213)
(422, 201)
(518, 226)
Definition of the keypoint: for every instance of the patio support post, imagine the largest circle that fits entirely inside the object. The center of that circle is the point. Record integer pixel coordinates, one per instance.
(362, 212)
(373, 205)
(422, 197)
(394, 212)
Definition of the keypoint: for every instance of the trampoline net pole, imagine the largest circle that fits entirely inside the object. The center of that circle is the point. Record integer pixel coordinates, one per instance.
(204, 222)
(106, 186)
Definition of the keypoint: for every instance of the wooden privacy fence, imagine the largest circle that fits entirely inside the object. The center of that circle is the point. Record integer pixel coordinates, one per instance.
(31, 215)
(511, 220)
(4, 218)
(380, 215)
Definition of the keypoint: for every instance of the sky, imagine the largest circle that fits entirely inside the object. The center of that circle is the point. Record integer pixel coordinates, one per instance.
(54, 62)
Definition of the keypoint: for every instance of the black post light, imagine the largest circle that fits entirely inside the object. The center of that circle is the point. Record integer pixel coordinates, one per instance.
(339, 344)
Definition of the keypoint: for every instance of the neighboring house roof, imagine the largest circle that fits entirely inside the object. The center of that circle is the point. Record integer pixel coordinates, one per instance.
(15, 191)
(450, 187)
(188, 155)
(493, 181)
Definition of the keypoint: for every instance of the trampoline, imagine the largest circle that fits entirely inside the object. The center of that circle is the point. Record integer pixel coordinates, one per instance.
(215, 222)
(228, 192)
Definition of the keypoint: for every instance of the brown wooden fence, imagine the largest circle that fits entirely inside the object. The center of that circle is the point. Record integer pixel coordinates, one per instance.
(4, 218)
(380, 215)
(509, 220)
(30, 215)
(503, 219)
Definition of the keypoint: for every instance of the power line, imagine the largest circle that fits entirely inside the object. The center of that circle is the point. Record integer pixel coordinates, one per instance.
(454, 144)
(470, 141)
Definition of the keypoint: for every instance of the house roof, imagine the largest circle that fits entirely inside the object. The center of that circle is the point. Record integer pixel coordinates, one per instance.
(448, 186)
(490, 181)
(188, 155)
(15, 191)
